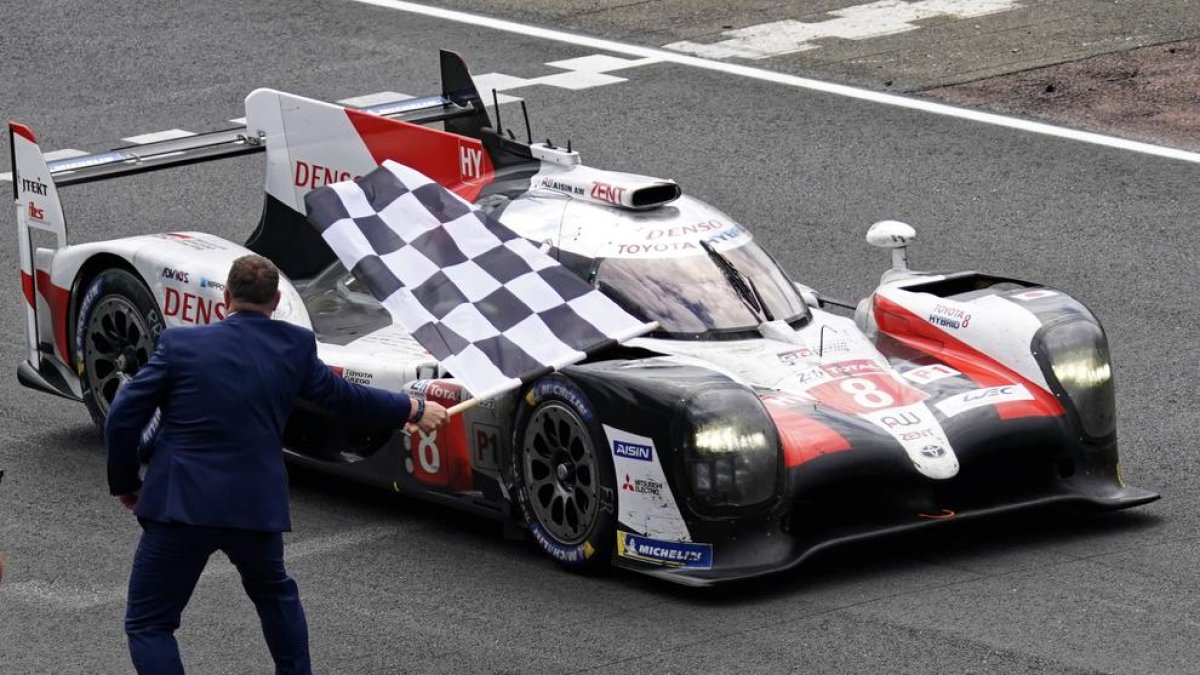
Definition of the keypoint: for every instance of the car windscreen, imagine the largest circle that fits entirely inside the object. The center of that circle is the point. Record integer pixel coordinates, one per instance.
(695, 294)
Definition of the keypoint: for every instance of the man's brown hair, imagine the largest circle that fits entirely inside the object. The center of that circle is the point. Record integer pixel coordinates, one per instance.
(253, 280)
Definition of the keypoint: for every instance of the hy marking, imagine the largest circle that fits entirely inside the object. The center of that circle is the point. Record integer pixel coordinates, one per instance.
(860, 22)
(589, 42)
(58, 595)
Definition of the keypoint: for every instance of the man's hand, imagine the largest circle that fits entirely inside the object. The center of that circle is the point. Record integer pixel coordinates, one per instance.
(435, 416)
(128, 501)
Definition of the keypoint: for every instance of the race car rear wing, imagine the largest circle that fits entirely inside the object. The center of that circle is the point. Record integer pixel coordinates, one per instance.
(36, 180)
(459, 103)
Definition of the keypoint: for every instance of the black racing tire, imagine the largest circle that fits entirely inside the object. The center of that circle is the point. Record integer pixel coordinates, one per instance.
(116, 330)
(563, 476)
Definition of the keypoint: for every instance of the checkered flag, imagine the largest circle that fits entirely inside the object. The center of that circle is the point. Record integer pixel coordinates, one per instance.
(491, 308)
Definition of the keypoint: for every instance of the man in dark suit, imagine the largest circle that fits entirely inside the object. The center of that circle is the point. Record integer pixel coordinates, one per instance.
(217, 479)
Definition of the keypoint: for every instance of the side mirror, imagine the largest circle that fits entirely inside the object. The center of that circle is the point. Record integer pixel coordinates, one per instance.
(895, 235)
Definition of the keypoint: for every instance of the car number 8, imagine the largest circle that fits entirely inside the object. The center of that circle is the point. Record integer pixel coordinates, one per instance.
(866, 393)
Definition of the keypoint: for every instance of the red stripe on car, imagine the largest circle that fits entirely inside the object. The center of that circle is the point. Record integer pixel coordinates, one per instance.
(22, 130)
(802, 437)
(458, 163)
(910, 329)
(58, 299)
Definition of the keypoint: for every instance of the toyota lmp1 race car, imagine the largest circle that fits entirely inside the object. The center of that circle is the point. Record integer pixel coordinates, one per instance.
(752, 428)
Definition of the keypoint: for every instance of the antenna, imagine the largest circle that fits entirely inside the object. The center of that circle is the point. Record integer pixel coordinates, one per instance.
(528, 131)
(496, 107)
(568, 145)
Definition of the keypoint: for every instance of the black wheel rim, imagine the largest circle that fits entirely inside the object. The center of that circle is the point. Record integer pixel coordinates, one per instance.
(116, 343)
(560, 470)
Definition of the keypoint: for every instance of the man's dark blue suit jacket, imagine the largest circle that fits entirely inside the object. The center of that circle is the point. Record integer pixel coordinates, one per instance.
(225, 391)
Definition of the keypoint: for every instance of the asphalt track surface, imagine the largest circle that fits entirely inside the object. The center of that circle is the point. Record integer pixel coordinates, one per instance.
(392, 585)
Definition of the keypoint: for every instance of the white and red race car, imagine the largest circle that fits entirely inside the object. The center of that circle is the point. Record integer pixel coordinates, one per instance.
(751, 429)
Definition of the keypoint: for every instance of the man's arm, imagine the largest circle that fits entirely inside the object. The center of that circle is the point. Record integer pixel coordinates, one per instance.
(131, 410)
(326, 389)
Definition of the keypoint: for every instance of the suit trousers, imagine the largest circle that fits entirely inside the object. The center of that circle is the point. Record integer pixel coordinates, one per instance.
(169, 560)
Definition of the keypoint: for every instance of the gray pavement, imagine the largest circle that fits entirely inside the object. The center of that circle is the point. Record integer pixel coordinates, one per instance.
(392, 585)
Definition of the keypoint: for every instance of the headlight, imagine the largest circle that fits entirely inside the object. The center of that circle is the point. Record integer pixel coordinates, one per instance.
(1077, 357)
(731, 449)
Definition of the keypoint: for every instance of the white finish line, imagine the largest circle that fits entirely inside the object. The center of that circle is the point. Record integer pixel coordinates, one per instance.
(859, 22)
(785, 79)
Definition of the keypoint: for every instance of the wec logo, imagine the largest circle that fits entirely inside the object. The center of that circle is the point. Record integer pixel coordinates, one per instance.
(644, 453)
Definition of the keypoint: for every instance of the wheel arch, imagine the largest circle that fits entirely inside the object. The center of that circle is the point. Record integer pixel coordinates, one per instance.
(91, 268)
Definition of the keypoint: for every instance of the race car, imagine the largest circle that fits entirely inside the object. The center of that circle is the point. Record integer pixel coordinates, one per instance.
(759, 423)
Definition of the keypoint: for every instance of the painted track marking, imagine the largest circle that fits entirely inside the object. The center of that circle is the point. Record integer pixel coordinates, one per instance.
(847, 91)
(858, 22)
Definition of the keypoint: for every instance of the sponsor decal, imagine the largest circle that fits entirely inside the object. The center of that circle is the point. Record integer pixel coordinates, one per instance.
(351, 375)
(470, 162)
(37, 213)
(312, 176)
(795, 356)
(667, 244)
(607, 193)
(560, 389)
(644, 501)
(636, 451)
(646, 486)
(209, 283)
(188, 241)
(978, 398)
(549, 183)
(668, 553)
(190, 308)
(947, 316)
(89, 299)
(930, 374)
(862, 386)
(922, 438)
(175, 275)
(485, 452)
(570, 555)
(1036, 294)
(852, 368)
(933, 451)
(36, 187)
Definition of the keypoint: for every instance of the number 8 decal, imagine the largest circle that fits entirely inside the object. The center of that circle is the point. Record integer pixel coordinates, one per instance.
(866, 393)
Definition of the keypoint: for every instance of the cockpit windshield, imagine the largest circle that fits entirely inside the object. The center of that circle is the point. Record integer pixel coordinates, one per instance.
(697, 295)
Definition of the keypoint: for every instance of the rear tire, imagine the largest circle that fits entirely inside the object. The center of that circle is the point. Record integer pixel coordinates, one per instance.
(563, 476)
(117, 328)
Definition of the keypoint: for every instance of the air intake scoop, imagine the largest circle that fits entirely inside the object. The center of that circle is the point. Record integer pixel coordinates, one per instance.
(612, 188)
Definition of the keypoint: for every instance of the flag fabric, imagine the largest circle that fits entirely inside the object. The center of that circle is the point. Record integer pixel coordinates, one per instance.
(492, 308)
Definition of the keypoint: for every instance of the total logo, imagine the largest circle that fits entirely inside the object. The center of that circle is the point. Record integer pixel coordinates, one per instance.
(175, 275)
(643, 453)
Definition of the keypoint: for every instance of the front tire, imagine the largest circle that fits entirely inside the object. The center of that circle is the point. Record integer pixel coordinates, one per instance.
(563, 475)
(117, 328)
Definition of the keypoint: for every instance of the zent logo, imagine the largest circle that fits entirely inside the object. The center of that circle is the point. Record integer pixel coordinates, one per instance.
(644, 453)
(607, 193)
